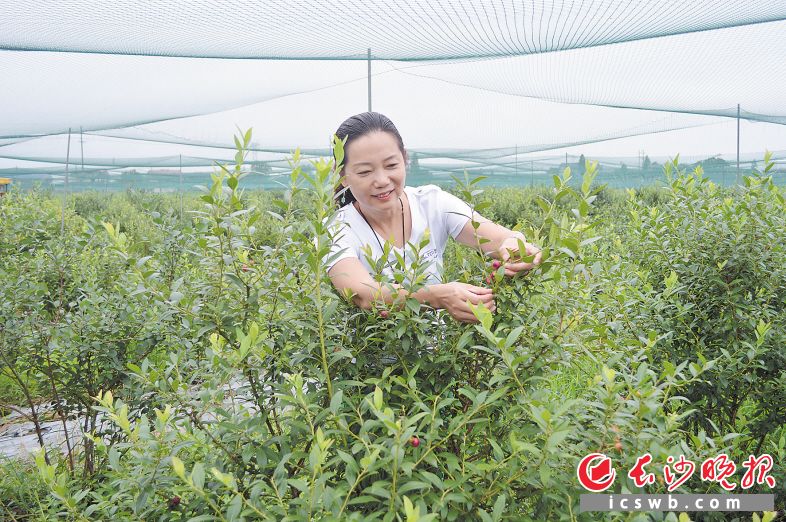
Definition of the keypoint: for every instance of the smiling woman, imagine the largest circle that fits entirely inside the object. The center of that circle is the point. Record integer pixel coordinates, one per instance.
(376, 207)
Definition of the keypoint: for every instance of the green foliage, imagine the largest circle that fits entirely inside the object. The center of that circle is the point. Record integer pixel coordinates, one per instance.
(23, 494)
(717, 259)
(220, 376)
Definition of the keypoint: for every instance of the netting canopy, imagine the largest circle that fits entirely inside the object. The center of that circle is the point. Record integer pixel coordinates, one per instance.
(340, 29)
(476, 84)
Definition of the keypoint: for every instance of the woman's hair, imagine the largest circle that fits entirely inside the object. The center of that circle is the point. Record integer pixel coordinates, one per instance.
(358, 126)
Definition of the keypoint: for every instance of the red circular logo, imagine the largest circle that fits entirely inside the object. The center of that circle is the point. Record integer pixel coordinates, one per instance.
(596, 473)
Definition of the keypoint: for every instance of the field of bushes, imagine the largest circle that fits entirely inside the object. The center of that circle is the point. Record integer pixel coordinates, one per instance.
(217, 375)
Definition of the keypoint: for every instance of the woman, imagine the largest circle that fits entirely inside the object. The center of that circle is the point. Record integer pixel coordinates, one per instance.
(376, 206)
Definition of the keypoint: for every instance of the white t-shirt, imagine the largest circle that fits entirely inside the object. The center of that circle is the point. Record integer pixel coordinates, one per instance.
(442, 213)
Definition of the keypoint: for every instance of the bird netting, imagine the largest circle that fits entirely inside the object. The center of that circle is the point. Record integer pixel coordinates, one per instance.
(473, 85)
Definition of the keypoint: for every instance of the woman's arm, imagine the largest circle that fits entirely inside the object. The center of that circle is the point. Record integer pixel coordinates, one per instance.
(502, 243)
(351, 279)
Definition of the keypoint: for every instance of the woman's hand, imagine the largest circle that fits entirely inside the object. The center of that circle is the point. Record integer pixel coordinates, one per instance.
(510, 249)
(453, 297)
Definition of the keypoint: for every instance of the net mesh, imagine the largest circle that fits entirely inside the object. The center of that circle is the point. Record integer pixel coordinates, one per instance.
(341, 29)
(149, 88)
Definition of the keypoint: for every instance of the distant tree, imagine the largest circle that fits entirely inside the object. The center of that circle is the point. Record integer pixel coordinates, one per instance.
(646, 164)
(414, 165)
(581, 166)
(555, 171)
(261, 167)
(712, 164)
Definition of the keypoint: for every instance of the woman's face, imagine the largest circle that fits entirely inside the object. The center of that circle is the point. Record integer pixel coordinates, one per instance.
(375, 171)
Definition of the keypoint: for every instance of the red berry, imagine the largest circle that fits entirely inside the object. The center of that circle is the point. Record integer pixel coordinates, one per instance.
(496, 264)
(384, 314)
(414, 441)
(174, 502)
(245, 268)
(618, 445)
(489, 280)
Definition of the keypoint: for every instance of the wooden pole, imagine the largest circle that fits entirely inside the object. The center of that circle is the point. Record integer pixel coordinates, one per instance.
(369, 80)
(738, 143)
(180, 186)
(65, 190)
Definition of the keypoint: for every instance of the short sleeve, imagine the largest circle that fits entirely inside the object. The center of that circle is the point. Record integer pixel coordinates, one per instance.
(344, 244)
(455, 212)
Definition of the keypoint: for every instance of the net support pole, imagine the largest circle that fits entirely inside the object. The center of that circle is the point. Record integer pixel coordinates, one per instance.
(738, 143)
(369, 80)
(65, 191)
(180, 184)
(82, 147)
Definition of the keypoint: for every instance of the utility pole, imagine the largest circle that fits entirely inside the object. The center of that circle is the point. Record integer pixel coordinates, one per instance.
(738, 144)
(180, 185)
(65, 192)
(641, 166)
(369, 80)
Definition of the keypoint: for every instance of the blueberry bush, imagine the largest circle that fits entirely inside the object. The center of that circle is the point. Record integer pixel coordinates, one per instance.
(217, 374)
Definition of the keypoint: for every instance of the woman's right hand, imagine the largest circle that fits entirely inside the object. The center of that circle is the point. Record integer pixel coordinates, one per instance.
(453, 297)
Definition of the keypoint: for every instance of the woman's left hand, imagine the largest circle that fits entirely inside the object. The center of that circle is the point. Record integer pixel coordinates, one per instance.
(510, 250)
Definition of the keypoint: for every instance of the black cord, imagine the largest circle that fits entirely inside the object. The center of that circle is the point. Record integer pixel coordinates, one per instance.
(377, 237)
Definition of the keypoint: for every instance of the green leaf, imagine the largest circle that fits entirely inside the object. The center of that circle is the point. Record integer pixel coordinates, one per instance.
(198, 475)
(499, 508)
(412, 512)
(483, 315)
(485, 517)
(235, 507)
(335, 402)
(413, 485)
(179, 468)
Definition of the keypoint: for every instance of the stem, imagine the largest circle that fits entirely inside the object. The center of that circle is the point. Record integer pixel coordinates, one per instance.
(395, 477)
(349, 493)
(321, 322)
(60, 412)
(28, 397)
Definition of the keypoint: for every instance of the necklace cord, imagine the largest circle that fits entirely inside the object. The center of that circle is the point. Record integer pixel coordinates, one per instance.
(376, 236)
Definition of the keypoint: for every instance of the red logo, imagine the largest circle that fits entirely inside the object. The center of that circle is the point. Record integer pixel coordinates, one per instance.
(764, 465)
(595, 472)
(682, 465)
(640, 477)
(718, 469)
